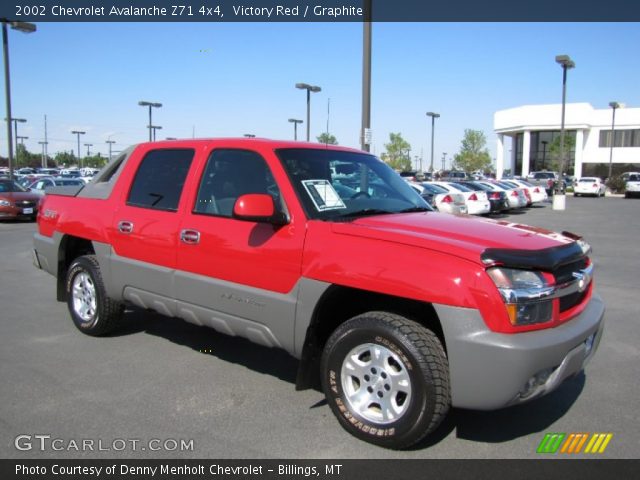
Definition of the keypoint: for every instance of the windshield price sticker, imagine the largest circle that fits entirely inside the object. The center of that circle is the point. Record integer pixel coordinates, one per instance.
(323, 195)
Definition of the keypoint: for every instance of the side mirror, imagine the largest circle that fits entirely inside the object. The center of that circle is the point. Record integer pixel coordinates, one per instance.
(258, 207)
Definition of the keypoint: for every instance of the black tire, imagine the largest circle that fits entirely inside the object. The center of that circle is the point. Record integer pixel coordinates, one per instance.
(92, 311)
(627, 195)
(409, 354)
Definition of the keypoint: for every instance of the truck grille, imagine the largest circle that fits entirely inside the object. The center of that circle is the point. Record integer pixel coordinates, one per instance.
(564, 274)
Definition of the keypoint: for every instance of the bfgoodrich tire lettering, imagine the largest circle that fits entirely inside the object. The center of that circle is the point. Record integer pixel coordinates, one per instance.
(92, 311)
(386, 379)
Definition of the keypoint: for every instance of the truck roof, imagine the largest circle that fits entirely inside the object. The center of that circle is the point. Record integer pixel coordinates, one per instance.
(264, 142)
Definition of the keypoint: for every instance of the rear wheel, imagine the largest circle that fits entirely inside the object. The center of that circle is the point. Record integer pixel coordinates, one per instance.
(92, 311)
(386, 379)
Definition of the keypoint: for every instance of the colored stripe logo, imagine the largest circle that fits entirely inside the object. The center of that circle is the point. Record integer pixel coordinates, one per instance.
(574, 443)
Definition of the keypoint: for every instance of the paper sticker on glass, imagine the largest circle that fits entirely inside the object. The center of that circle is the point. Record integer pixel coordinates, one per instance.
(323, 195)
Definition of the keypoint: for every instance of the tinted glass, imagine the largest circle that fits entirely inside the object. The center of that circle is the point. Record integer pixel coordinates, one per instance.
(160, 178)
(230, 174)
(7, 187)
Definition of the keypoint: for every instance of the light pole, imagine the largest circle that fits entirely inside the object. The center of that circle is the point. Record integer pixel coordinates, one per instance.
(110, 142)
(15, 132)
(433, 126)
(309, 89)
(154, 128)
(444, 160)
(151, 105)
(21, 140)
(78, 133)
(566, 63)
(544, 152)
(24, 27)
(44, 156)
(88, 145)
(365, 134)
(295, 122)
(614, 106)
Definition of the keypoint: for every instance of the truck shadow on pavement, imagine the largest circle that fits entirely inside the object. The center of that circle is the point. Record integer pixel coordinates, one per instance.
(204, 340)
(486, 427)
(509, 423)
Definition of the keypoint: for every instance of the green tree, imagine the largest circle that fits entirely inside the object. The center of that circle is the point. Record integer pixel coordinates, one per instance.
(327, 138)
(554, 152)
(24, 158)
(95, 161)
(65, 159)
(397, 153)
(473, 155)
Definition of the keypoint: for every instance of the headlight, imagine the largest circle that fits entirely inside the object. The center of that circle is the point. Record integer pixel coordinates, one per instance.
(527, 295)
(5, 203)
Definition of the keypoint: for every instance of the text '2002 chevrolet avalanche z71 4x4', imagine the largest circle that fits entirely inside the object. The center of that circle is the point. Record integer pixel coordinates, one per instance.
(399, 312)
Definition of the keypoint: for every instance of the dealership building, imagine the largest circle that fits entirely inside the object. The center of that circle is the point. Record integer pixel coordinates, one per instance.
(528, 139)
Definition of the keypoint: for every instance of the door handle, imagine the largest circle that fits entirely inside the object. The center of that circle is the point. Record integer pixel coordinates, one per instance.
(125, 227)
(190, 237)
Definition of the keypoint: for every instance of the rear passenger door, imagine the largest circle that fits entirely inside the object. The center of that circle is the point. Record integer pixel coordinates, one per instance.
(144, 230)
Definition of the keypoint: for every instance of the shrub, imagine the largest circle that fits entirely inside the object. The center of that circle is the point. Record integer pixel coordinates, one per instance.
(616, 184)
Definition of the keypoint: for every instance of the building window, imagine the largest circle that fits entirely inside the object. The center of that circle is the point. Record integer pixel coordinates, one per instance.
(623, 138)
(543, 150)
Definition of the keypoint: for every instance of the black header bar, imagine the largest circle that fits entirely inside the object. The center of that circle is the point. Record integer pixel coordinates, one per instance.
(319, 11)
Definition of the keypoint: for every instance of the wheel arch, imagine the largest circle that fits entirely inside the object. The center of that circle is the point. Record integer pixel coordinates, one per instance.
(70, 248)
(337, 305)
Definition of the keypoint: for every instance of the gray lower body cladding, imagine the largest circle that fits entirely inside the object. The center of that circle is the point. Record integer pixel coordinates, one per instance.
(491, 370)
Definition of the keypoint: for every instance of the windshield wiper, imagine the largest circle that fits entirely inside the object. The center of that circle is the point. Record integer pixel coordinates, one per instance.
(365, 212)
(415, 209)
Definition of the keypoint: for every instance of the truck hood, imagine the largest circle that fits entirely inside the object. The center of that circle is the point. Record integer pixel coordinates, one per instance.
(460, 235)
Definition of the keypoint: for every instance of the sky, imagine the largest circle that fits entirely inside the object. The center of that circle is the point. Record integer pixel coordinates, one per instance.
(219, 80)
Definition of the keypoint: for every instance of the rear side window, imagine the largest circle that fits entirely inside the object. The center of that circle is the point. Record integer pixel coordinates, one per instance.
(160, 178)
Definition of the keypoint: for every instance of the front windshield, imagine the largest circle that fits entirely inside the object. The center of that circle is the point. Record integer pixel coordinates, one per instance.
(334, 185)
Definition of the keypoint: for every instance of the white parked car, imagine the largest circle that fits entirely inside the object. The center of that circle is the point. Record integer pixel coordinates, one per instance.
(477, 202)
(589, 186)
(440, 199)
(515, 196)
(538, 194)
(632, 186)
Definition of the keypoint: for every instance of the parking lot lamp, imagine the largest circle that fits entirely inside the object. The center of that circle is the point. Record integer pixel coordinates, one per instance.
(614, 106)
(566, 63)
(151, 105)
(295, 122)
(78, 133)
(24, 27)
(433, 126)
(309, 89)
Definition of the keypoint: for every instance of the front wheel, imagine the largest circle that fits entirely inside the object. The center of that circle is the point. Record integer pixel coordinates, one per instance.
(92, 311)
(386, 378)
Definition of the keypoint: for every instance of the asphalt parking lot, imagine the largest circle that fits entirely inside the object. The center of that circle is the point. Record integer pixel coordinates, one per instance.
(164, 379)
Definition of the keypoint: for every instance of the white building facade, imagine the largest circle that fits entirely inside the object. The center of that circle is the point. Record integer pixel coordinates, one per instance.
(533, 129)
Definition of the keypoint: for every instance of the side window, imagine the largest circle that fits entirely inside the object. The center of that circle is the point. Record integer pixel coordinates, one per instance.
(230, 174)
(160, 178)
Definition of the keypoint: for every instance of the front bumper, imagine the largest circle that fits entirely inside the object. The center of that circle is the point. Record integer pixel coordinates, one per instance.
(490, 370)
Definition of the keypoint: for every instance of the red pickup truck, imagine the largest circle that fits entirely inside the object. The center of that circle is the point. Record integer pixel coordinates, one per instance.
(399, 312)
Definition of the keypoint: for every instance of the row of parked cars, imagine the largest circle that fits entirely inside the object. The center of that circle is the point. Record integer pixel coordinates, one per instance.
(20, 198)
(479, 197)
